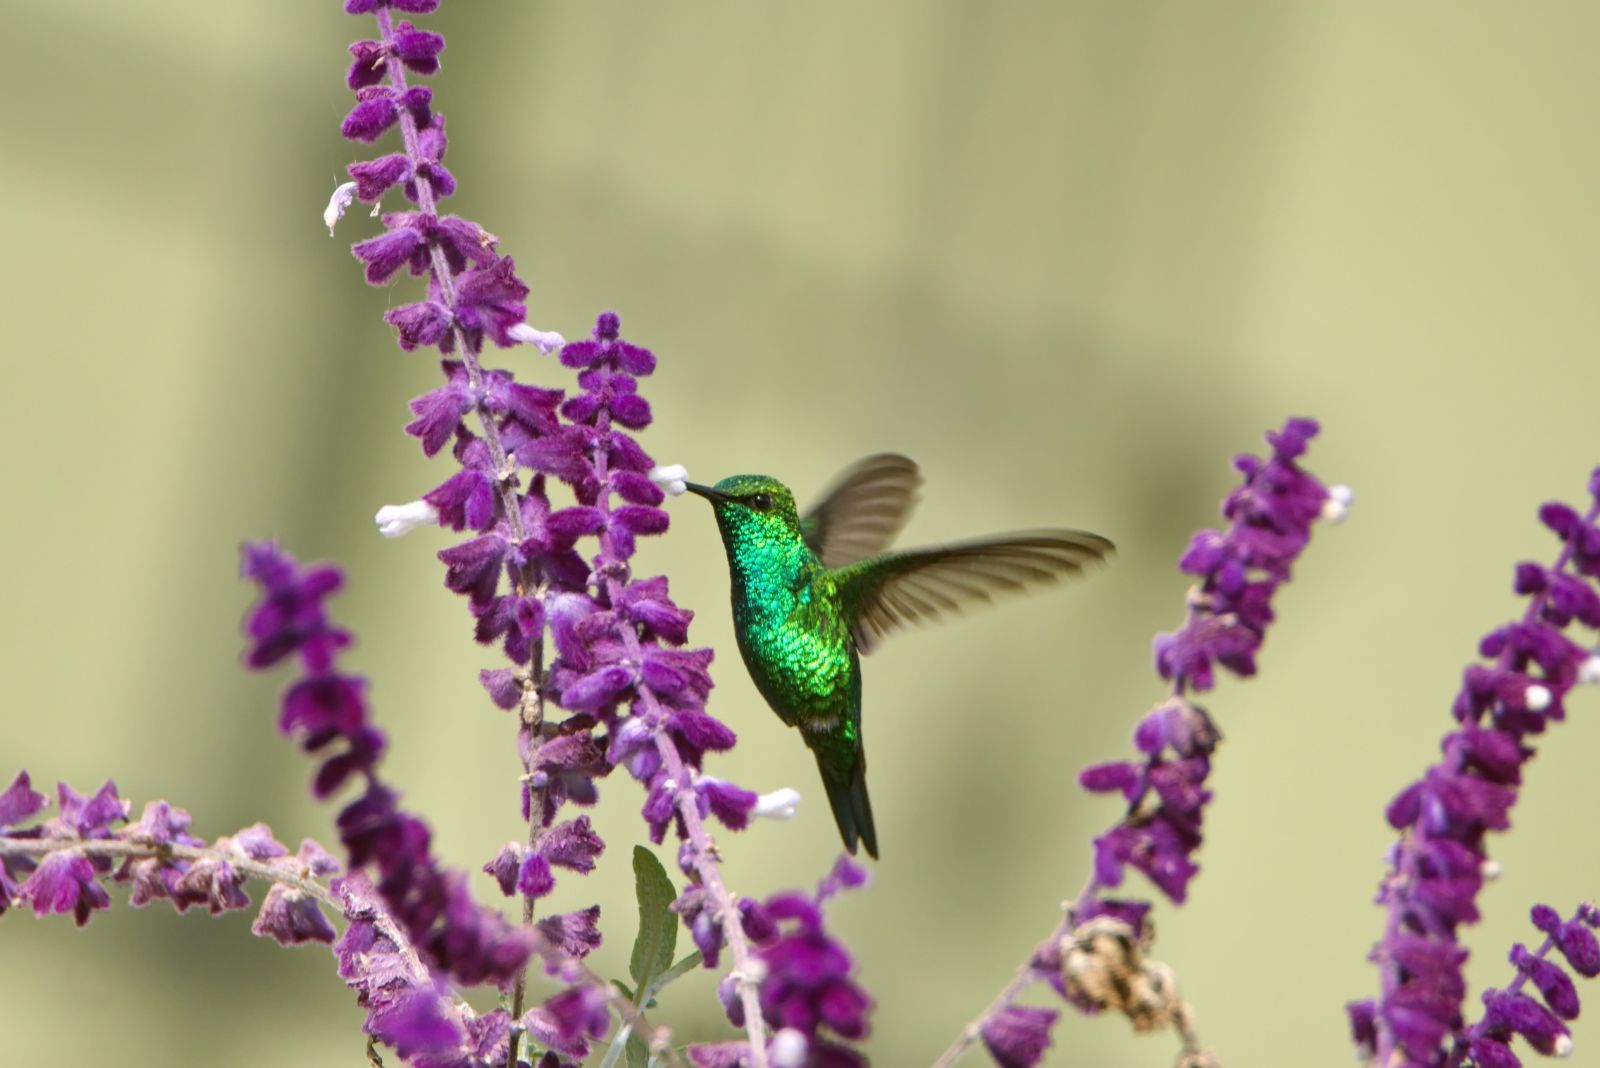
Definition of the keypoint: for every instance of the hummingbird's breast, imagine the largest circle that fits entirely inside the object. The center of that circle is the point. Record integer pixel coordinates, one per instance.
(798, 648)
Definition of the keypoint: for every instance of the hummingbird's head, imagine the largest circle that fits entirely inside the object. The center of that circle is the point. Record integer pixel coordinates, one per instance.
(757, 506)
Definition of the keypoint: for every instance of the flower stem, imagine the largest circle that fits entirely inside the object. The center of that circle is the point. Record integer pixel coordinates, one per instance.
(746, 968)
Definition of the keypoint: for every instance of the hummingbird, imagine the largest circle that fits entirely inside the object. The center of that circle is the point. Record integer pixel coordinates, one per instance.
(812, 593)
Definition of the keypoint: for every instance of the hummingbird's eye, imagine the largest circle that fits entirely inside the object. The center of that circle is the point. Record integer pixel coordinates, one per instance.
(761, 502)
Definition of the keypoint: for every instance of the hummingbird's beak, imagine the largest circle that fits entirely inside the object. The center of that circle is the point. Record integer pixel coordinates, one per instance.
(712, 495)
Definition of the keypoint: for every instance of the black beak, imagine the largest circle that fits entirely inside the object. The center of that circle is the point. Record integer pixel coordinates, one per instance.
(712, 495)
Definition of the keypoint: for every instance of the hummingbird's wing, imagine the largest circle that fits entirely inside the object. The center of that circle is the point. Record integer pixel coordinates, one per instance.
(887, 592)
(862, 510)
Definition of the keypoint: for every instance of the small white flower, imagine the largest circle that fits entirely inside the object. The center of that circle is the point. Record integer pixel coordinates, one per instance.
(397, 519)
(1538, 697)
(337, 204)
(670, 478)
(778, 805)
(1490, 870)
(547, 341)
(1337, 506)
(1589, 670)
(788, 1049)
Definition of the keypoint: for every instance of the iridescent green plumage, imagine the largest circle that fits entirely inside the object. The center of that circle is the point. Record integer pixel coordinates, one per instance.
(811, 594)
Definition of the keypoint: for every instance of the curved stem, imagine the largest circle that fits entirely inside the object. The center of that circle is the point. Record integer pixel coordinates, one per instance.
(746, 968)
(136, 850)
(118, 848)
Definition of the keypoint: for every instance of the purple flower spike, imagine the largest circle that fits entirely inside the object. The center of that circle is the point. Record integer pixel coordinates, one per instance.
(1240, 568)
(323, 708)
(1094, 957)
(1445, 817)
(531, 570)
(1271, 517)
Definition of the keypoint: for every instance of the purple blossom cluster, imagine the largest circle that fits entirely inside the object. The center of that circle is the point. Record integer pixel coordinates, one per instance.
(418, 925)
(62, 865)
(407, 1007)
(1438, 866)
(808, 995)
(327, 711)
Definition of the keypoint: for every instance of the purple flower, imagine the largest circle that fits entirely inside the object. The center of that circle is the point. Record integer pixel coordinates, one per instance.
(572, 844)
(729, 803)
(291, 918)
(65, 882)
(577, 933)
(566, 1021)
(19, 802)
(1018, 1035)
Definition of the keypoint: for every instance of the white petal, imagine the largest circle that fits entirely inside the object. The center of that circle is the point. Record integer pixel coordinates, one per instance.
(788, 1049)
(1589, 670)
(397, 519)
(670, 478)
(1538, 697)
(546, 340)
(1337, 506)
(778, 805)
(337, 204)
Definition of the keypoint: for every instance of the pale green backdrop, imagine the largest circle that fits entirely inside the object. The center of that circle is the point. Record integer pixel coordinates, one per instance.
(1070, 256)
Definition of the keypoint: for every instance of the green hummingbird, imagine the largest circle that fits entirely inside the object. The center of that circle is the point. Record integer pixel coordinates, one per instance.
(812, 593)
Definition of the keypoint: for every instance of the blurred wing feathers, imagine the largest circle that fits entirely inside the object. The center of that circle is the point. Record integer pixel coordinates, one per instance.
(888, 592)
(861, 512)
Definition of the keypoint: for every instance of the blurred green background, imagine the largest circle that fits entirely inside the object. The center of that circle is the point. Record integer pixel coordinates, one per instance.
(1070, 256)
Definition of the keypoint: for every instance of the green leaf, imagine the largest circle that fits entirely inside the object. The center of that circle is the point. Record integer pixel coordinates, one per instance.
(658, 926)
(638, 1052)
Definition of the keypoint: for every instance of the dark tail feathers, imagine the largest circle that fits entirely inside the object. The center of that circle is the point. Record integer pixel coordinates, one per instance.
(851, 808)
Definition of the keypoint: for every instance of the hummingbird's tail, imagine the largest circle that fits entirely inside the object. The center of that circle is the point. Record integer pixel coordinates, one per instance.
(851, 808)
